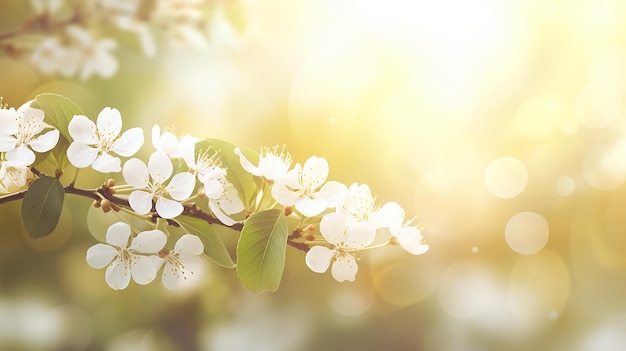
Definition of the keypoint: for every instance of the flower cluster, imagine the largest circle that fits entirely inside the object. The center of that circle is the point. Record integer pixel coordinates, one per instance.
(126, 257)
(82, 43)
(22, 133)
(184, 177)
(350, 220)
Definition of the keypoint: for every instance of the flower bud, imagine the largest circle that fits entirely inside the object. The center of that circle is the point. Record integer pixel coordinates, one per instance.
(288, 210)
(106, 205)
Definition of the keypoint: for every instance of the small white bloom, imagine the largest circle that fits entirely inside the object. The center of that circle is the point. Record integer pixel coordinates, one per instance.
(391, 215)
(170, 144)
(52, 57)
(125, 261)
(345, 241)
(95, 55)
(97, 144)
(358, 204)
(273, 163)
(181, 21)
(21, 131)
(14, 174)
(152, 178)
(46, 6)
(301, 187)
(179, 262)
(206, 166)
(226, 204)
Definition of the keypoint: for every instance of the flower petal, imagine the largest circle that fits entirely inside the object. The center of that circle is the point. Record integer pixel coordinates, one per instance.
(189, 244)
(171, 276)
(344, 268)
(143, 270)
(412, 241)
(333, 228)
(8, 119)
(213, 189)
(181, 186)
(46, 141)
(150, 241)
(247, 165)
(135, 173)
(22, 153)
(7, 141)
(334, 193)
(118, 234)
(311, 207)
(283, 191)
(109, 123)
(160, 167)
(100, 255)
(129, 143)
(107, 163)
(83, 130)
(314, 172)
(167, 208)
(273, 167)
(359, 235)
(391, 215)
(81, 155)
(33, 115)
(318, 258)
(140, 201)
(219, 213)
(230, 201)
(117, 275)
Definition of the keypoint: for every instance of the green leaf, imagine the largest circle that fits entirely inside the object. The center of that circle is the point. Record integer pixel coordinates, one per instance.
(42, 205)
(58, 155)
(261, 250)
(214, 247)
(239, 177)
(58, 111)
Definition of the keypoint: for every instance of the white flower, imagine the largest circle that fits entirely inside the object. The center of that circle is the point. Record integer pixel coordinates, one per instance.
(206, 166)
(345, 240)
(222, 196)
(181, 21)
(391, 215)
(170, 144)
(14, 174)
(358, 205)
(179, 262)
(152, 178)
(124, 258)
(21, 131)
(52, 57)
(273, 163)
(97, 144)
(94, 56)
(300, 186)
(226, 204)
(48, 7)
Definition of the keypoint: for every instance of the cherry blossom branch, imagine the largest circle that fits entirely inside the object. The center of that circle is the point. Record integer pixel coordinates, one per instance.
(40, 23)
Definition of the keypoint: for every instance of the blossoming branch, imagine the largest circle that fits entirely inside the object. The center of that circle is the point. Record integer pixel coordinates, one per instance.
(78, 38)
(188, 186)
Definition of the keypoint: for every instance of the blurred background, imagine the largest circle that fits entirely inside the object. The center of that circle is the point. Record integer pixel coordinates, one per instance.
(498, 124)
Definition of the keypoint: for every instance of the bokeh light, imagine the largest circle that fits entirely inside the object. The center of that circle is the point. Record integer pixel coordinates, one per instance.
(526, 232)
(506, 177)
